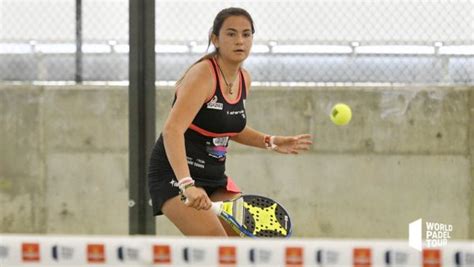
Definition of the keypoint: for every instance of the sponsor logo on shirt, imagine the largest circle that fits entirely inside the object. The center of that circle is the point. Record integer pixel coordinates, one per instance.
(220, 141)
(213, 104)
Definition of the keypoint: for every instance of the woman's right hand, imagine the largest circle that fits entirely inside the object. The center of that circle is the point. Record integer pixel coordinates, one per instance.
(197, 198)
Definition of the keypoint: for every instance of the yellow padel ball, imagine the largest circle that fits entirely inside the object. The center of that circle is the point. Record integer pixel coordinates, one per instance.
(341, 114)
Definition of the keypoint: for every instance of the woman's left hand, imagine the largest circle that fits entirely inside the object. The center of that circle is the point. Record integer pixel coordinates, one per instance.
(292, 144)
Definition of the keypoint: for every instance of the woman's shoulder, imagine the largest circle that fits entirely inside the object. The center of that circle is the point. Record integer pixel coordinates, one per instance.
(245, 72)
(247, 77)
(201, 68)
(199, 75)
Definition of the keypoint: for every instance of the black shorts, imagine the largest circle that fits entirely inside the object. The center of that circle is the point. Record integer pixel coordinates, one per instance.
(161, 177)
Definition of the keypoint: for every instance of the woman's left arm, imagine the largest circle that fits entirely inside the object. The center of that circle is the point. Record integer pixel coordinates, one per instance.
(281, 144)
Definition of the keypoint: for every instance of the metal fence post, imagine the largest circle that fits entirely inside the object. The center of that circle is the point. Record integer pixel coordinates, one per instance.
(78, 74)
(141, 112)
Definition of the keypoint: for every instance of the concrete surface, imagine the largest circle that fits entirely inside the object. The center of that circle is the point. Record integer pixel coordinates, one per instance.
(407, 154)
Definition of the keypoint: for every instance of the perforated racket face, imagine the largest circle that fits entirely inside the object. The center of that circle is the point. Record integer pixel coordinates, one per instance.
(263, 217)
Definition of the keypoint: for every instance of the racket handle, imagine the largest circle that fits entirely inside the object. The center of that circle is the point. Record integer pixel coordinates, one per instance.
(216, 207)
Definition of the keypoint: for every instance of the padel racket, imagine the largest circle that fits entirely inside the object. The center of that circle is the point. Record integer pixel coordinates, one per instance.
(254, 216)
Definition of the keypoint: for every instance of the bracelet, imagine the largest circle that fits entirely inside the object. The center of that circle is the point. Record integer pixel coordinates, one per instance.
(268, 140)
(185, 183)
(185, 180)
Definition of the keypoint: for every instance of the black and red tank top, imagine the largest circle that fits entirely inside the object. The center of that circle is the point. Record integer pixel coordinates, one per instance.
(207, 138)
(218, 119)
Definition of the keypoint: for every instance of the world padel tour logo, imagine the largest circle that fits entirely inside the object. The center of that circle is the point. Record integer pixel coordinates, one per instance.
(436, 234)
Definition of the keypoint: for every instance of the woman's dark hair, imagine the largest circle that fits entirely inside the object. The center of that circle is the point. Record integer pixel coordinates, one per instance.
(223, 15)
(216, 27)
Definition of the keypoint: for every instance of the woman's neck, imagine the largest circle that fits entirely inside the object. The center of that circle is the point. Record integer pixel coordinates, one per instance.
(230, 69)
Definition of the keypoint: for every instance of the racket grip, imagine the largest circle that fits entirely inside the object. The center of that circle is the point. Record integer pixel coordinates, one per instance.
(216, 207)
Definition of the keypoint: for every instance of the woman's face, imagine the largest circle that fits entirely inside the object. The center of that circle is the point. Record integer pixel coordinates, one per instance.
(235, 39)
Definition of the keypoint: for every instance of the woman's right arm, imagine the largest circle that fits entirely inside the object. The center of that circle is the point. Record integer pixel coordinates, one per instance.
(192, 92)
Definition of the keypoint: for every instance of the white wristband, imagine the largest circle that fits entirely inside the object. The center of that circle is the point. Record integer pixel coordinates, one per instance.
(269, 142)
(272, 145)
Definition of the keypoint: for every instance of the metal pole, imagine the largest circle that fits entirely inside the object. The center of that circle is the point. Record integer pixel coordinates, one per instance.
(78, 75)
(141, 112)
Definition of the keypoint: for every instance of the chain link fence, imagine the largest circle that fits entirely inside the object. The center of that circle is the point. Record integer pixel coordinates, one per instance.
(296, 41)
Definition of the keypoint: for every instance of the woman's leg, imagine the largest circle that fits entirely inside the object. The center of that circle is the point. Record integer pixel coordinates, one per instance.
(222, 194)
(192, 222)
